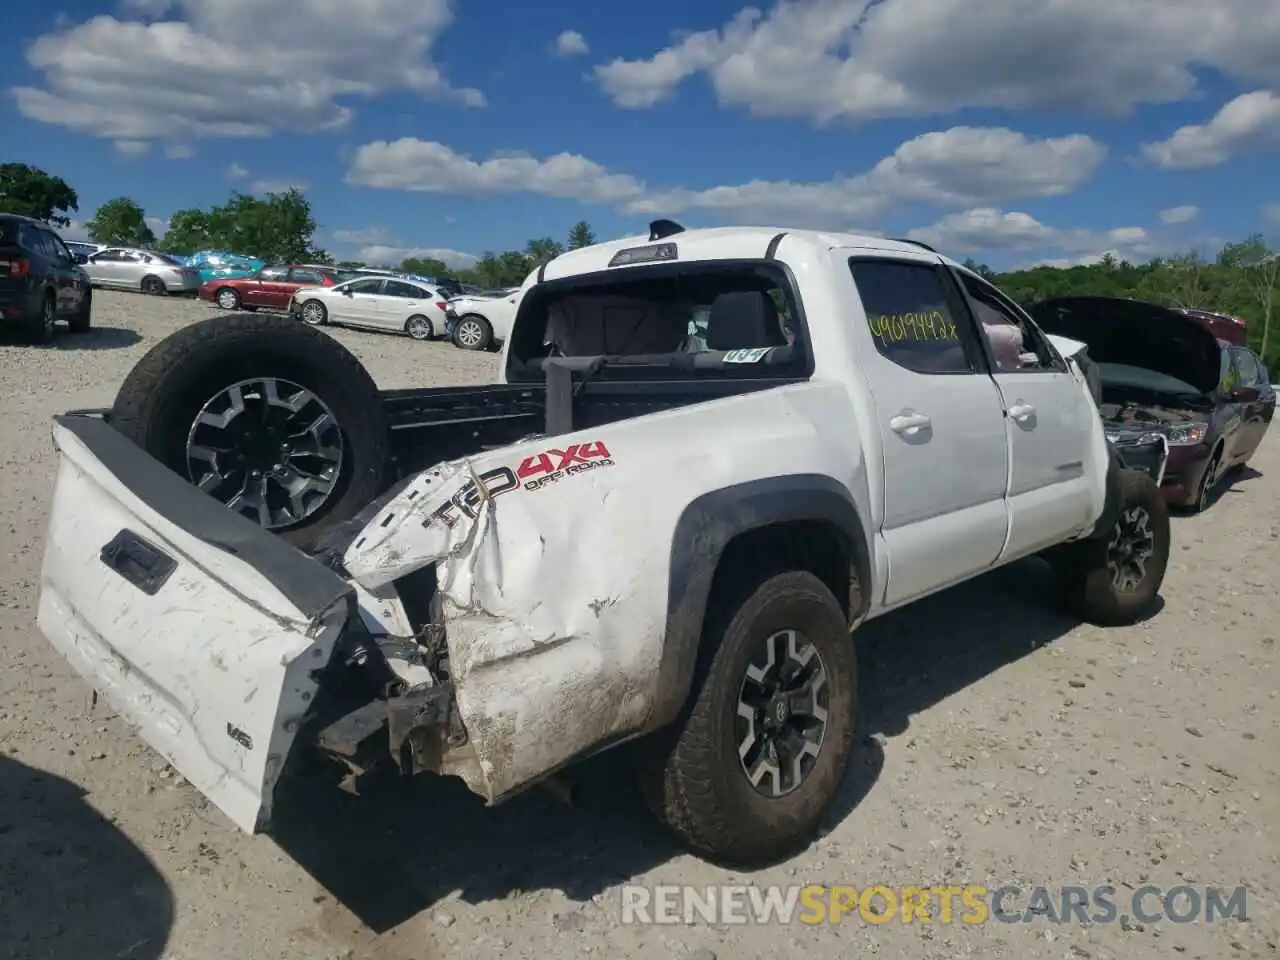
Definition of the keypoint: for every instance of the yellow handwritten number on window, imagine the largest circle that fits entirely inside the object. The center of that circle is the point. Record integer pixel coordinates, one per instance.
(930, 326)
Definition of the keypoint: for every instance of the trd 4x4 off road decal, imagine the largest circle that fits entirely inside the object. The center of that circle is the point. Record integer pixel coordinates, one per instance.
(467, 501)
(537, 471)
(533, 473)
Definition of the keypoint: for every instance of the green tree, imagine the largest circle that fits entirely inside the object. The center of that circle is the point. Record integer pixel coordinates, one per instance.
(581, 235)
(277, 228)
(981, 269)
(1259, 274)
(1242, 280)
(121, 222)
(189, 231)
(31, 192)
(516, 266)
(351, 265)
(542, 250)
(488, 270)
(424, 266)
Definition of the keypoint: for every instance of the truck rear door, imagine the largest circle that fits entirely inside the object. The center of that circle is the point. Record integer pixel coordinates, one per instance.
(946, 457)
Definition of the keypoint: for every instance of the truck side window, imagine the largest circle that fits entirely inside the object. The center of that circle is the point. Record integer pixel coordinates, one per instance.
(910, 315)
(1016, 344)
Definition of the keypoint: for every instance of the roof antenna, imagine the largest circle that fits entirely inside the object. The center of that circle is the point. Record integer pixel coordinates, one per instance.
(661, 229)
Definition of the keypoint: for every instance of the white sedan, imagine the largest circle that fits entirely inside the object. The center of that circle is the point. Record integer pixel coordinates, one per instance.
(375, 303)
(480, 322)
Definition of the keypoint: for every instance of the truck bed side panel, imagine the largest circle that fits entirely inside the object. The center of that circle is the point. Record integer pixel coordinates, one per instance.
(555, 579)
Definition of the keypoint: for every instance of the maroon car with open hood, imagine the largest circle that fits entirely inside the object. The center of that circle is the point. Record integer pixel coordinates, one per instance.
(1164, 372)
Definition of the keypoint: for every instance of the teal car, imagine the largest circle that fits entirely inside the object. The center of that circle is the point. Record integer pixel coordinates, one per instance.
(220, 265)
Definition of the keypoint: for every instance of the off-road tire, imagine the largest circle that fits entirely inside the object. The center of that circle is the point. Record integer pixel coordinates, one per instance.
(232, 301)
(485, 339)
(82, 319)
(1085, 580)
(690, 773)
(159, 399)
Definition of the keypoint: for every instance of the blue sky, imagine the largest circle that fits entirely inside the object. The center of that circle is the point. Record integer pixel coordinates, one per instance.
(1044, 131)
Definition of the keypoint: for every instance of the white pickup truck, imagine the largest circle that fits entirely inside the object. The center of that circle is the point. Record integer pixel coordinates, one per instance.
(644, 532)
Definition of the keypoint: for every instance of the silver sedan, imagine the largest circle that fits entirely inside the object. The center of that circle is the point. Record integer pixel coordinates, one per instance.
(127, 268)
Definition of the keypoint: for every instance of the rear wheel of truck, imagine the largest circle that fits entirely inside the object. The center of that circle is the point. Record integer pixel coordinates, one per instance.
(1113, 580)
(748, 771)
(277, 420)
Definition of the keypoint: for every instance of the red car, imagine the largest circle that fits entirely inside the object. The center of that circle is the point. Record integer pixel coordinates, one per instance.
(1165, 372)
(1224, 326)
(271, 287)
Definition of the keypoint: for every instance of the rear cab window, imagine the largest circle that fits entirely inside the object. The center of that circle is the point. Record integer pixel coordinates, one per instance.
(694, 320)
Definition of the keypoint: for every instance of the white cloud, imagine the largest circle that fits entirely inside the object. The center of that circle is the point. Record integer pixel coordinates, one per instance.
(987, 230)
(1183, 214)
(1248, 124)
(411, 164)
(75, 230)
(132, 148)
(268, 185)
(863, 59)
(236, 172)
(379, 245)
(179, 151)
(960, 166)
(159, 226)
(366, 236)
(571, 44)
(1271, 213)
(393, 255)
(236, 68)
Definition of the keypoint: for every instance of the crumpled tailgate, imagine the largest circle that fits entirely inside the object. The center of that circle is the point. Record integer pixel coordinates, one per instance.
(201, 628)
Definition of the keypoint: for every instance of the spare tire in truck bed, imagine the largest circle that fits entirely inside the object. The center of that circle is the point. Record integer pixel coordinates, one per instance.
(275, 419)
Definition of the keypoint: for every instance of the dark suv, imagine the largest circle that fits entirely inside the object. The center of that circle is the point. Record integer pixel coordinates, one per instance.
(41, 281)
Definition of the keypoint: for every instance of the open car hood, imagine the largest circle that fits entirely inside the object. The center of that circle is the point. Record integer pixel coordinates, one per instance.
(1137, 334)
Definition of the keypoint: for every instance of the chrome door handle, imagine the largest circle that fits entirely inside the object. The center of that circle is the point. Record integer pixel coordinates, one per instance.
(1022, 412)
(908, 422)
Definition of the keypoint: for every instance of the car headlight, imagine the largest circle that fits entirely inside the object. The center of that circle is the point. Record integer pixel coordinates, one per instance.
(1185, 436)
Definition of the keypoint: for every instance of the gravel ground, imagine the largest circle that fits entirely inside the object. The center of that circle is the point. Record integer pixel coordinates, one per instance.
(1003, 745)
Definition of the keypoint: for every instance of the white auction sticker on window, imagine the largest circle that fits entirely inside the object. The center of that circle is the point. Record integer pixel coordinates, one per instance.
(750, 355)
